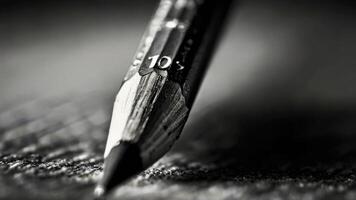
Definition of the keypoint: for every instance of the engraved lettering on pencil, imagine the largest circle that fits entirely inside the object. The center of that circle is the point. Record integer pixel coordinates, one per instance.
(162, 63)
(153, 61)
(181, 67)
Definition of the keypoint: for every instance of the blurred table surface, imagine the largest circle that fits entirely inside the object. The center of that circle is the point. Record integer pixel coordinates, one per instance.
(275, 117)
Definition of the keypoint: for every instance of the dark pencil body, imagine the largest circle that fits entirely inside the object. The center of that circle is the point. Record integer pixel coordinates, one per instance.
(156, 96)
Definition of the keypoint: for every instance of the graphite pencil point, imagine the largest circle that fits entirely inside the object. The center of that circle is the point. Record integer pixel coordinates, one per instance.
(122, 163)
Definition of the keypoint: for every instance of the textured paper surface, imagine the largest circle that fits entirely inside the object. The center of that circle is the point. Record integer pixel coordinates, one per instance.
(52, 149)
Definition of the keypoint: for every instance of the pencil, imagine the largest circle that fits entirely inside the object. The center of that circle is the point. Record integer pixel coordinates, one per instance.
(158, 91)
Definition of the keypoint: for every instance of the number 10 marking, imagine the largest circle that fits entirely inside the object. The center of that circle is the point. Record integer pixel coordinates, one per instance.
(163, 63)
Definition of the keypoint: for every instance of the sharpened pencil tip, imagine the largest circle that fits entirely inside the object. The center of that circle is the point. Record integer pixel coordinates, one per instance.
(123, 162)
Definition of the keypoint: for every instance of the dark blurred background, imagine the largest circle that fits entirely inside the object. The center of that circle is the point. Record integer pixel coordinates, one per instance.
(300, 52)
(277, 106)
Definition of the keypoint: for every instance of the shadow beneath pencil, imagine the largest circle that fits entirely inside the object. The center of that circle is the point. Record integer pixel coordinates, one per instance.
(244, 144)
